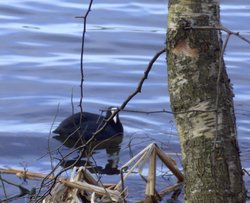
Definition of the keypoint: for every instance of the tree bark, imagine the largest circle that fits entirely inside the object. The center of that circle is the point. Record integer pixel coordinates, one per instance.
(203, 104)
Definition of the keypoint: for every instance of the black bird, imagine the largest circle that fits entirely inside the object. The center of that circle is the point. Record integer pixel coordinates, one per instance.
(83, 127)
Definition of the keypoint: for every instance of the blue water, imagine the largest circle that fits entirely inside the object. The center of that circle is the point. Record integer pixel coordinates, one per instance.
(40, 70)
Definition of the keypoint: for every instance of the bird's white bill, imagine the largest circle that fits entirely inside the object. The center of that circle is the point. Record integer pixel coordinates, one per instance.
(113, 110)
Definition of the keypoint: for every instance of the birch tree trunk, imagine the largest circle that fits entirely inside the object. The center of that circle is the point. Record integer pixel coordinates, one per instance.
(203, 104)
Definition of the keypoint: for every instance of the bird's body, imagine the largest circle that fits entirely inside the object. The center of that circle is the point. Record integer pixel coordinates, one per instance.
(84, 125)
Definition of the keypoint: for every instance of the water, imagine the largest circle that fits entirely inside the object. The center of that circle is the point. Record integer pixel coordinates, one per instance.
(40, 60)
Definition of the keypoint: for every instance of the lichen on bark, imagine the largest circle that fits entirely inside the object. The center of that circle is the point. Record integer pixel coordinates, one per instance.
(206, 128)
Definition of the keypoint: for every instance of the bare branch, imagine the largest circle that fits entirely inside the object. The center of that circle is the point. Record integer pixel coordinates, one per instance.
(237, 34)
(82, 51)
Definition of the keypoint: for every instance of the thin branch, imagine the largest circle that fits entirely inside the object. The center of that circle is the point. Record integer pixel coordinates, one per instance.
(72, 101)
(83, 147)
(3, 186)
(221, 65)
(237, 34)
(23, 191)
(147, 112)
(138, 90)
(63, 143)
(82, 51)
(49, 138)
(245, 171)
(146, 73)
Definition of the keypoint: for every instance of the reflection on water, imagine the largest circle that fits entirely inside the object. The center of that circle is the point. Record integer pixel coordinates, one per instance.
(39, 64)
(112, 147)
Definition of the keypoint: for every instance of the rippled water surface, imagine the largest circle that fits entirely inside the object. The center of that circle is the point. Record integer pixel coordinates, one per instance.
(40, 72)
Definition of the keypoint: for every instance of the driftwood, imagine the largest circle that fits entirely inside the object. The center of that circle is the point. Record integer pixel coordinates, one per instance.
(81, 183)
(24, 174)
(151, 152)
(83, 187)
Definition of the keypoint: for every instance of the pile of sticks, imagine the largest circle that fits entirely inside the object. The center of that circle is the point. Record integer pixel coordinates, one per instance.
(83, 187)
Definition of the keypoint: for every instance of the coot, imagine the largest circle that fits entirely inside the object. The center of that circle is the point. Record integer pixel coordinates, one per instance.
(77, 126)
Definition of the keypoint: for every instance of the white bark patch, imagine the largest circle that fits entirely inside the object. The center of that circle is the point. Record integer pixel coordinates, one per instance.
(172, 25)
(202, 106)
(179, 81)
(204, 123)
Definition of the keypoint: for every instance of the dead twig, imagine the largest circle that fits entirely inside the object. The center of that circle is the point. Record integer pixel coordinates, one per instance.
(245, 171)
(49, 138)
(138, 90)
(84, 183)
(82, 50)
(23, 191)
(3, 186)
(237, 34)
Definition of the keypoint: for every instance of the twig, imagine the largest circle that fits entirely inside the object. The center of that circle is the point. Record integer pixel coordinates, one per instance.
(75, 184)
(58, 148)
(83, 147)
(221, 66)
(56, 177)
(72, 102)
(49, 137)
(245, 171)
(122, 180)
(138, 90)
(3, 186)
(170, 164)
(146, 73)
(237, 34)
(23, 191)
(82, 51)
(147, 112)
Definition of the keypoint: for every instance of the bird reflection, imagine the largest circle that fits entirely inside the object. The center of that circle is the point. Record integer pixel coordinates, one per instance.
(111, 146)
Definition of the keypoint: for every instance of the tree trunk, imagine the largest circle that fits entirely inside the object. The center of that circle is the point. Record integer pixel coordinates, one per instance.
(203, 105)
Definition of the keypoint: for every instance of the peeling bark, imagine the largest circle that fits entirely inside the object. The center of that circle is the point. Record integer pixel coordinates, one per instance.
(207, 131)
